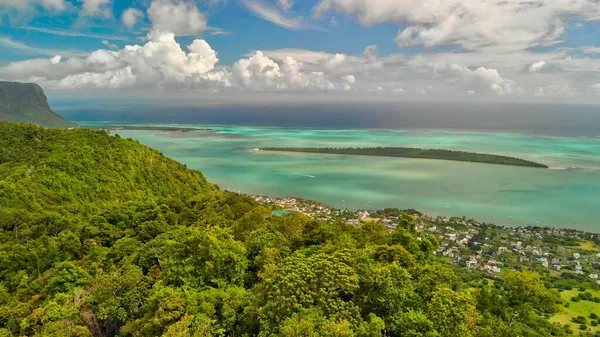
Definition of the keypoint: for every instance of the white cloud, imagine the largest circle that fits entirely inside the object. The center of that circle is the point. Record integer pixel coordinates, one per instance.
(16, 45)
(131, 16)
(260, 73)
(302, 55)
(370, 53)
(64, 32)
(96, 8)
(285, 4)
(58, 5)
(109, 45)
(55, 5)
(557, 90)
(335, 61)
(215, 31)
(162, 63)
(472, 25)
(271, 14)
(487, 76)
(178, 16)
(536, 67)
(590, 50)
(596, 87)
(349, 79)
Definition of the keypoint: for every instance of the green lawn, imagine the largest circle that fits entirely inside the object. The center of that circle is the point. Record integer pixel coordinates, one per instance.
(581, 308)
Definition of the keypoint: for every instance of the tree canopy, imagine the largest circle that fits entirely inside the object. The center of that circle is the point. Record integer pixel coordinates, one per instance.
(102, 236)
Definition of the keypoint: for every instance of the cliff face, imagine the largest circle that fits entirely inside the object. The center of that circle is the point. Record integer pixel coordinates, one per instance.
(26, 102)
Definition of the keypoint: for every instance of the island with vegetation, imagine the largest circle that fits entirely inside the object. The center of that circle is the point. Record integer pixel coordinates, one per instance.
(404, 152)
(114, 128)
(101, 236)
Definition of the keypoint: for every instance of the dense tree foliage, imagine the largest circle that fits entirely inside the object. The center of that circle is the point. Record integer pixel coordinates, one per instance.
(101, 236)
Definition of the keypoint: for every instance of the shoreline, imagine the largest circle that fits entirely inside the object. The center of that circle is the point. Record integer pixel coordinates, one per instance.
(300, 202)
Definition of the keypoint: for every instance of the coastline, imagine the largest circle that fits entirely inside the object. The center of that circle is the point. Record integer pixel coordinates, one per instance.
(508, 195)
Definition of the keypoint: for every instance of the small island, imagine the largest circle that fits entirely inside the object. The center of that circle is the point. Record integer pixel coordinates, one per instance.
(145, 128)
(415, 153)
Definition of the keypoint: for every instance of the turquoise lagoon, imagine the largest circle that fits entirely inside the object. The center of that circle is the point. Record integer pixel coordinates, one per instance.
(567, 195)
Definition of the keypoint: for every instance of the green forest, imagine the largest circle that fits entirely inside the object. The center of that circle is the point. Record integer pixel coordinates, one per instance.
(102, 236)
(404, 152)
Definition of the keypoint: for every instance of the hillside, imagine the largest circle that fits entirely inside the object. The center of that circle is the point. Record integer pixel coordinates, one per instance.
(26, 102)
(101, 236)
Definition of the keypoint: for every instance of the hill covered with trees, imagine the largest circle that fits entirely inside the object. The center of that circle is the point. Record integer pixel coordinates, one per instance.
(26, 102)
(102, 236)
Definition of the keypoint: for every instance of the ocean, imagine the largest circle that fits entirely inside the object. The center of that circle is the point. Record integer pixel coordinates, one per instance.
(567, 140)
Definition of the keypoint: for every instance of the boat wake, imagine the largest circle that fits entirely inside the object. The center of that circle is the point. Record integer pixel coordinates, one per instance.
(304, 175)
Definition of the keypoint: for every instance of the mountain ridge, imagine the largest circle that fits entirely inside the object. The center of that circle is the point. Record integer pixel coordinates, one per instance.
(27, 102)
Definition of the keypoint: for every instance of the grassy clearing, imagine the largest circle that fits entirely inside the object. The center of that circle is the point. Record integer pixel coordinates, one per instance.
(581, 308)
(588, 245)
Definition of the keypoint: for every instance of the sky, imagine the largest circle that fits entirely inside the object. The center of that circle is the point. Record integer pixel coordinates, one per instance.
(465, 50)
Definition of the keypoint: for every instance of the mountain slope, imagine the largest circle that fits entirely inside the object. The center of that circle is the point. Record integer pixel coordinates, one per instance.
(83, 169)
(26, 102)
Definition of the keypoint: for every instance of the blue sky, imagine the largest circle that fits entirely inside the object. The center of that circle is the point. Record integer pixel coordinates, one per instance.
(429, 49)
(244, 32)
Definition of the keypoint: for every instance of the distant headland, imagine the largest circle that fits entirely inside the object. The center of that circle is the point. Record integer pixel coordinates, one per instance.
(403, 152)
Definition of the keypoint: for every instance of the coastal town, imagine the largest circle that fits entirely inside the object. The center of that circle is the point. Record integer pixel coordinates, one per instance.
(569, 257)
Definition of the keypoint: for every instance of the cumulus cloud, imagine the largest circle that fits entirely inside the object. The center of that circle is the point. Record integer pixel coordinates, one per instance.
(161, 62)
(260, 73)
(370, 53)
(96, 8)
(177, 16)
(596, 87)
(131, 16)
(335, 61)
(472, 25)
(485, 76)
(536, 67)
(349, 81)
